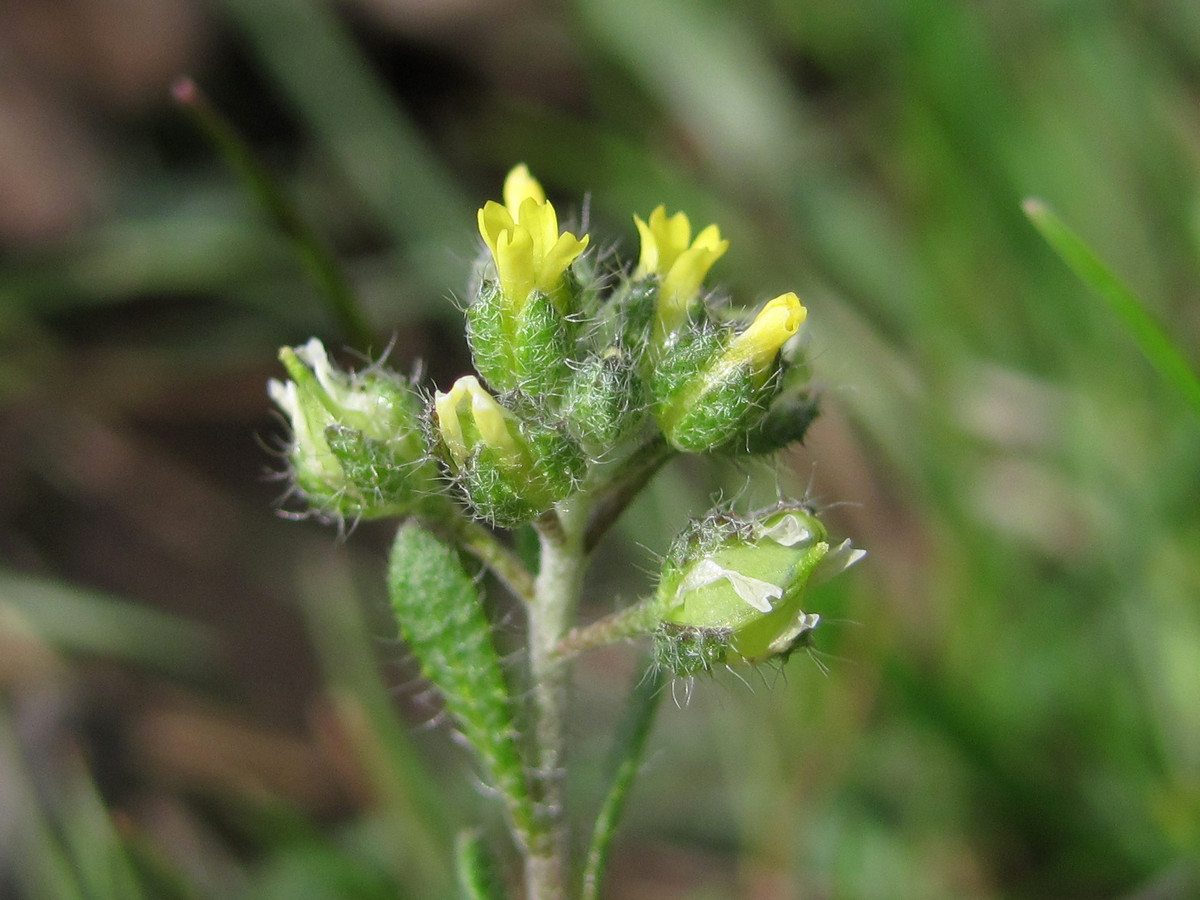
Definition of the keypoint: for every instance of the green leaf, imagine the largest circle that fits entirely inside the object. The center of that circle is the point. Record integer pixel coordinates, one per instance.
(1146, 333)
(440, 614)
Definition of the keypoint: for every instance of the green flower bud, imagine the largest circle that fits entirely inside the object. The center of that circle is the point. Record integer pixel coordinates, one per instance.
(511, 470)
(604, 401)
(733, 589)
(710, 389)
(357, 445)
(785, 423)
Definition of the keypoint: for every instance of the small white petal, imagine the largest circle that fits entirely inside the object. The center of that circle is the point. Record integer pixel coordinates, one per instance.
(754, 591)
(835, 562)
(788, 531)
(804, 622)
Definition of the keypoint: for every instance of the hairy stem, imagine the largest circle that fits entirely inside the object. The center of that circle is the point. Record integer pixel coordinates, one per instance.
(611, 501)
(556, 596)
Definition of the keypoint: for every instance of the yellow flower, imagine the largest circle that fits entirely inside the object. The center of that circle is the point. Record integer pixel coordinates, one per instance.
(669, 252)
(522, 234)
(775, 323)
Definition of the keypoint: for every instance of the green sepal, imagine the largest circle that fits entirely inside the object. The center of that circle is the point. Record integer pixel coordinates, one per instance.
(684, 651)
(384, 483)
(786, 422)
(634, 308)
(527, 348)
(700, 405)
(509, 492)
(440, 614)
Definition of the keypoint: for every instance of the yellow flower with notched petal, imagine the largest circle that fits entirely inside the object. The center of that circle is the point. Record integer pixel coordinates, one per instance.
(523, 236)
(669, 252)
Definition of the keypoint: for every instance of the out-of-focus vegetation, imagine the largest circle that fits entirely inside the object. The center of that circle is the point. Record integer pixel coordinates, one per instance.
(1012, 704)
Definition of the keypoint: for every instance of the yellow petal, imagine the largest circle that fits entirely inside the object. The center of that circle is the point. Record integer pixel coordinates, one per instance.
(682, 284)
(445, 406)
(672, 234)
(490, 420)
(515, 264)
(542, 224)
(648, 262)
(520, 186)
(494, 220)
(564, 252)
(772, 327)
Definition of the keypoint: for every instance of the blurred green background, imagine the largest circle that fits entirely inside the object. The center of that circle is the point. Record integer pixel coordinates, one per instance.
(197, 693)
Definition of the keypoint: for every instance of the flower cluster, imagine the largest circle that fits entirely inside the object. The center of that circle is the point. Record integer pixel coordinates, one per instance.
(580, 374)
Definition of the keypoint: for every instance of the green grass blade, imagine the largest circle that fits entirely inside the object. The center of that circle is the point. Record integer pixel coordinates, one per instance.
(77, 620)
(320, 263)
(311, 55)
(476, 880)
(624, 763)
(1146, 333)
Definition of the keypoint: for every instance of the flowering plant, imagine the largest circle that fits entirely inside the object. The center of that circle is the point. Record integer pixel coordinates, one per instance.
(587, 383)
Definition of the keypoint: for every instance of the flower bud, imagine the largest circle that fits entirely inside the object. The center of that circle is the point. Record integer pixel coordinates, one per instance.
(357, 446)
(604, 401)
(733, 589)
(511, 470)
(710, 389)
(519, 324)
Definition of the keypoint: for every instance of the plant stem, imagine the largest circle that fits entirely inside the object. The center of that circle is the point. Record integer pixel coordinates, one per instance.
(556, 595)
(611, 500)
(505, 564)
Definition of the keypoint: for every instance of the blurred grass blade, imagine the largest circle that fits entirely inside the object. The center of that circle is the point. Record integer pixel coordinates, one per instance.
(312, 57)
(78, 621)
(1146, 333)
(361, 714)
(322, 266)
(40, 865)
(476, 880)
(624, 762)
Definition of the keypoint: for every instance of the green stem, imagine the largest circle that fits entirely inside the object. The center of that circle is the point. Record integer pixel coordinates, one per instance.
(503, 563)
(556, 595)
(631, 622)
(628, 750)
(611, 500)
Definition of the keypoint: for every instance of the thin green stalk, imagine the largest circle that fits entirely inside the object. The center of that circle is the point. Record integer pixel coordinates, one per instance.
(624, 763)
(503, 563)
(612, 499)
(631, 622)
(331, 281)
(1146, 333)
